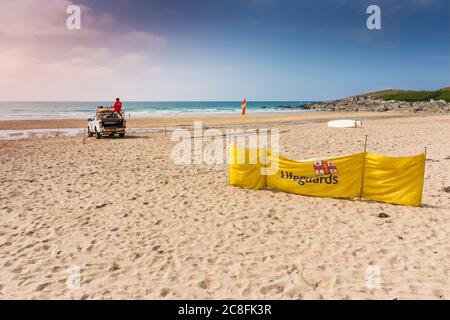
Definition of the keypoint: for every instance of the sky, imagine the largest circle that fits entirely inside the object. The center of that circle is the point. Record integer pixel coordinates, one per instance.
(167, 50)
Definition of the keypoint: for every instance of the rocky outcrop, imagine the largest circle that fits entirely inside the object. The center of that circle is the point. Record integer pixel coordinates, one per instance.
(372, 105)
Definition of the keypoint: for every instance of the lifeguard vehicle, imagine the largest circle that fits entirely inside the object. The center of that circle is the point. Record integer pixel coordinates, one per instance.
(106, 123)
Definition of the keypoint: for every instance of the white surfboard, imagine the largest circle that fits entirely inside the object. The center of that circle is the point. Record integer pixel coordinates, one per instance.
(345, 123)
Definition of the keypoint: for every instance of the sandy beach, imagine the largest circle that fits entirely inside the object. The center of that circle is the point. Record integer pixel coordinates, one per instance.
(137, 226)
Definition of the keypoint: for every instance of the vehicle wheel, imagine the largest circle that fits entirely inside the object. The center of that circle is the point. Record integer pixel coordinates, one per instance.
(111, 134)
(122, 135)
(97, 135)
(90, 134)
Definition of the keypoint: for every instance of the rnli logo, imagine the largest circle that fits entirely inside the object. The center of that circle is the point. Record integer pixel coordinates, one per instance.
(324, 168)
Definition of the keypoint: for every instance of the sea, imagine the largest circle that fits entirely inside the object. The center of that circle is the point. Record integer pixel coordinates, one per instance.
(65, 110)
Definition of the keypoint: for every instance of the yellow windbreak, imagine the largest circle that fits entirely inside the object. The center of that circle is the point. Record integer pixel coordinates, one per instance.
(336, 177)
(396, 180)
(245, 168)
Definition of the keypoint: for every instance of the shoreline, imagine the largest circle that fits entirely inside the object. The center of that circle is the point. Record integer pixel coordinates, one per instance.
(208, 120)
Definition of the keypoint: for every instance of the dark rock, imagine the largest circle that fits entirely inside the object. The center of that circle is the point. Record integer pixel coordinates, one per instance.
(368, 104)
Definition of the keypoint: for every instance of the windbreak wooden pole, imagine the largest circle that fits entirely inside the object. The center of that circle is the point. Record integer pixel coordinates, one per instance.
(363, 168)
(265, 167)
(423, 174)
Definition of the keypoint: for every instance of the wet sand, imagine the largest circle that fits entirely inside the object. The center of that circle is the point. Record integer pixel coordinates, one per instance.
(208, 120)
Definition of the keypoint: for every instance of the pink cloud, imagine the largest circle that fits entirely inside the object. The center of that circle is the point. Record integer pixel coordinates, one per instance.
(143, 38)
(41, 59)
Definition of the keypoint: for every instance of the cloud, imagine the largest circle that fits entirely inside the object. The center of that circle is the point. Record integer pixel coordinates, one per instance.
(154, 70)
(261, 3)
(424, 3)
(27, 18)
(39, 53)
(140, 37)
(439, 57)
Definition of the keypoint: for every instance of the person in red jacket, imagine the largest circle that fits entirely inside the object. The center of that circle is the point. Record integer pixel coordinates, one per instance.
(118, 106)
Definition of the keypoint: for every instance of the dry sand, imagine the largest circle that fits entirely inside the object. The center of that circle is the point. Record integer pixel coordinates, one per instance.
(141, 227)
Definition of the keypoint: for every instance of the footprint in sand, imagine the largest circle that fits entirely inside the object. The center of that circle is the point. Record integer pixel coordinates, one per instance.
(272, 289)
(438, 294)
(42, 286)
(205, 284)
(164, 292)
